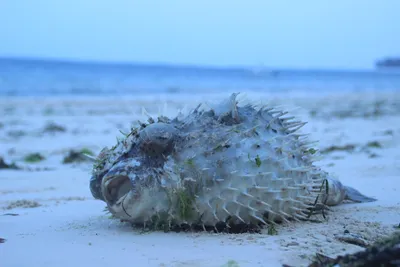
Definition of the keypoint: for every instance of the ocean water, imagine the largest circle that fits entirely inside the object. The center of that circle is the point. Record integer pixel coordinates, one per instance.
(28, 77)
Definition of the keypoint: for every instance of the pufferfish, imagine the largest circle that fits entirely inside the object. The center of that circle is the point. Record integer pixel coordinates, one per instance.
(224, 163)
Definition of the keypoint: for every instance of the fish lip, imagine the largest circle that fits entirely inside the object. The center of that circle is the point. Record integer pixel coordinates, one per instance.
(95, 188)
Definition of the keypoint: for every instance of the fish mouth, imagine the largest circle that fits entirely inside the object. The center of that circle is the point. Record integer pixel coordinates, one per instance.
(120, 196)
(115, 188)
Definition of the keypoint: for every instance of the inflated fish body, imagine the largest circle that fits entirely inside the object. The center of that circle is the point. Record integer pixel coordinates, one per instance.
(226, 163)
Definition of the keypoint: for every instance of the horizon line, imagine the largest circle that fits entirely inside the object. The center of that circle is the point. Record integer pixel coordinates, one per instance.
(255, 67)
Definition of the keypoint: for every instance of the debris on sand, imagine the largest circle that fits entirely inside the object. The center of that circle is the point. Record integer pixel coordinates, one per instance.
(4, 165)
(385, 252)
(77, 156)
(374, 144)
(13, 166)
(52, 127)
(22, 204)
(16, 133)
(350, 148)
(34, 158)
(347, 148)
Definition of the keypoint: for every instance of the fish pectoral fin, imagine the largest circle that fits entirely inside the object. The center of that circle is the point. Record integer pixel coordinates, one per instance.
(355, 196)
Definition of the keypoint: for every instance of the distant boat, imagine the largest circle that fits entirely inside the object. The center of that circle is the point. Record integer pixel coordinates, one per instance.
(388, 63)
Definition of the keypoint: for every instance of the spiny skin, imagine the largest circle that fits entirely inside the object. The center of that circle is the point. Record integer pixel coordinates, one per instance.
(228, 163)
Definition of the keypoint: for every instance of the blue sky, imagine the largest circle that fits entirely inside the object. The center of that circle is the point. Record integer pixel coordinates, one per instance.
(297, 34)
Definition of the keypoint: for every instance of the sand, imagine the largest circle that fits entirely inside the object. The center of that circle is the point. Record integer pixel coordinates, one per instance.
(49, 218)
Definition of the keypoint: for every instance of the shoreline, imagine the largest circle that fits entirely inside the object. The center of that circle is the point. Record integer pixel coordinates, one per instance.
(297, 92)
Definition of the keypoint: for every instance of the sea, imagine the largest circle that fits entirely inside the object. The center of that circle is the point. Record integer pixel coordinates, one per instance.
(39, 77)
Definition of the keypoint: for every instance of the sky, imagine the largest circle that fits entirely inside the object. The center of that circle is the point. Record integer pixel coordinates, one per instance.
(348, 34)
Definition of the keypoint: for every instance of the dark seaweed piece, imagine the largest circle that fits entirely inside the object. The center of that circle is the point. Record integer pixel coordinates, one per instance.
(383, 253)
(4, 165)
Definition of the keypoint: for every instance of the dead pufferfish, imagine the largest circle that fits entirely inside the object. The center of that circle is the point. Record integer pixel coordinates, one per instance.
(226, 163)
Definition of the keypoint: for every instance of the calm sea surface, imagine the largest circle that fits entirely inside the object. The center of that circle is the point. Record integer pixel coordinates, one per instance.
(43, 77)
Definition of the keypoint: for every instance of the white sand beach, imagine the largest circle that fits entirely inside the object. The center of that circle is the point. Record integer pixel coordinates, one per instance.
(48, 216)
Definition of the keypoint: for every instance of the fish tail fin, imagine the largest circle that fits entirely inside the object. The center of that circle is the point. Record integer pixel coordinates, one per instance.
(355, 196)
